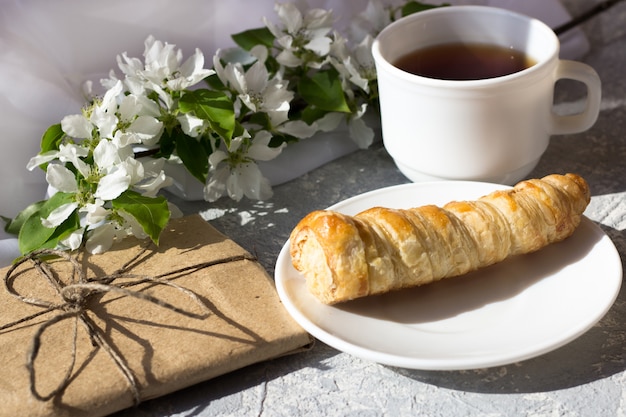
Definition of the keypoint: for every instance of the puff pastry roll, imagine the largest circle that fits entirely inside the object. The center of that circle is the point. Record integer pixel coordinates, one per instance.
(382, 249)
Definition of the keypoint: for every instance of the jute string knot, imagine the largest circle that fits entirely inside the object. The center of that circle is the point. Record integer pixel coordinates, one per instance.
(76, 291)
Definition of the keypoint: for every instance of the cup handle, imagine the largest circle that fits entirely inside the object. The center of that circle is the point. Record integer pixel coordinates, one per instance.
(578, 71)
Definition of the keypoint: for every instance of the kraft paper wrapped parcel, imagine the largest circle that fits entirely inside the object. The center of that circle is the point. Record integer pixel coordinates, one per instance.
(205, 308)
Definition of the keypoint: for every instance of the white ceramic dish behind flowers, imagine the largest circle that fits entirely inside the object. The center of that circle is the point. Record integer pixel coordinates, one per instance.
(49, 49)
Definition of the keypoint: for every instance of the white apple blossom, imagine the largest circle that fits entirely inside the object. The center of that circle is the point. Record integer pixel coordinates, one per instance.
(103, 115)
(162, 71)
(67, 153)
(138, 123)
(95, 212)
(235, 171)
(303, 36)
(373, 19)
(356, 66)
(256, 89)
(117, 168)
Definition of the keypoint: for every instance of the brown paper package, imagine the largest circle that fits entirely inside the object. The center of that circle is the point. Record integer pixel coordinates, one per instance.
(166, 351)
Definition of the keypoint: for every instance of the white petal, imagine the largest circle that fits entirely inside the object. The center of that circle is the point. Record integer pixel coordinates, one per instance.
(74, 240)
(320, 45)
(163, 95)
(191, 125)
(236, 143)
(236, 77)
(100, 239)
(77, 126)
(69, 152)
(133, 224)
(134, 169)
(260, 151)
(219, 68)
(256, 77)
(106, 155)
(129, 108)
(96, 213)
(288, 59)
(290, 16)
(153, 185)
(298, 128)
(149, 107)
(254, 184)
(37, 160)
(318, 19)
(216, 157)
(193, 68)
(61, 178)
(125, 139)
(330, 121)
(129, 66)
(109, 101)
(260, 52)
(112, 185)
(106, 122)
(277, 32)
(59, 215)
(216, 185)
(72, 153)
(277, 97)
(360, 133)
(233, 186)
(147, 129)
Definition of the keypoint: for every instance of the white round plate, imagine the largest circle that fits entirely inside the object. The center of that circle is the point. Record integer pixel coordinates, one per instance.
(515, 310)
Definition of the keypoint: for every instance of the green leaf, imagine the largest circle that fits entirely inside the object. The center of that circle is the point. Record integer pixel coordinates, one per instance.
(34, 235)
(250, 38)
(279, 139)
(13, 226)
(412, 7)
(323, 90)
(193, 155)
(214, 106)
(311, 113)
(51, 139)
(261, 119)
(167, 144)
(152, 213)
(215, 83)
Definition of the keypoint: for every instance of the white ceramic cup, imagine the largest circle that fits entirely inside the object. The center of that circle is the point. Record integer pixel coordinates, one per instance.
(493, 129)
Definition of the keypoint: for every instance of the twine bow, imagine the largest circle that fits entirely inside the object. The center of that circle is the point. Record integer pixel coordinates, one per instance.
(74, 297)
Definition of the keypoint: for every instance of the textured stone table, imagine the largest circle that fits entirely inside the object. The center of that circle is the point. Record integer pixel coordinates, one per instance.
(587, 377)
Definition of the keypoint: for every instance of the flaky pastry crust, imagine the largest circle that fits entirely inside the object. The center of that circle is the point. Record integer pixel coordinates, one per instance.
(382, 249)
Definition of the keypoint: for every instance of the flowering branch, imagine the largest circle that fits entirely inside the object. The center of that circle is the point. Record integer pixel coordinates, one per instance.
(284, 83)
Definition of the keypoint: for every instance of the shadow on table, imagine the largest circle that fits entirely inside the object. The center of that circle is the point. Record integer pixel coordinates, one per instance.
(597, 354)
(194, 400)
